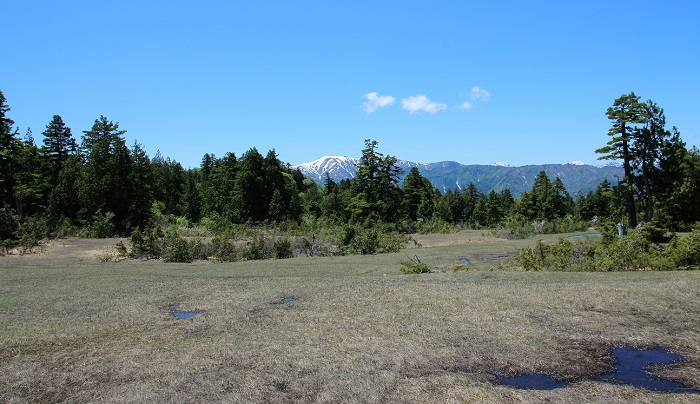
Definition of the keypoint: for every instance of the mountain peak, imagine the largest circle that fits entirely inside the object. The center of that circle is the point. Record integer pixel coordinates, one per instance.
(577, 176)
(337, 167)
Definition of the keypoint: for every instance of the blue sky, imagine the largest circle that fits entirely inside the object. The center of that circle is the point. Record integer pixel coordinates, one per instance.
(473, 82)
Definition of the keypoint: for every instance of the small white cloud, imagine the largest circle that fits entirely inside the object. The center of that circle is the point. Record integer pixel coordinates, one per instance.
(420, 102)
(376, 101)
(466, 105)
(479, 94)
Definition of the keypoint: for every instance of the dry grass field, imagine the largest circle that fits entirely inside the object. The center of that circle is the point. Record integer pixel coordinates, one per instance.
(76, 329)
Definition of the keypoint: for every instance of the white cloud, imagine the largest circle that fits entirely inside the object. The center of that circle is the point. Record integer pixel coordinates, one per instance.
(376, 101)
(479, 94)
(466, 105)
(420, 102)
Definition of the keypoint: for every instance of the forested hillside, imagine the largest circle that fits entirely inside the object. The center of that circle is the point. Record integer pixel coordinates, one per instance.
(97, 185)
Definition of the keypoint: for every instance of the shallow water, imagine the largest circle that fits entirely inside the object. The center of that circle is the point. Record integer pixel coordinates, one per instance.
(498, 258)
(533, 382)
(284, 300)
(181, 314)
(585, 235)
(631, 368)
(465, 261)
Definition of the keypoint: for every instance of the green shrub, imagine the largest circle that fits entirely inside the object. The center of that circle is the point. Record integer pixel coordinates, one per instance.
(30, 233)
(147, 243)
(225, 250)
(101, 226)
(176, 248)
(365, 242)
(683, 252)
(282, 248)
(258, 249)
(411, 267)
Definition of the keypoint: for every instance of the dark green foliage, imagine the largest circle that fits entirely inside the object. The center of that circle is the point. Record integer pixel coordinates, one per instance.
(147, 243)
(30, 232)
(258, 249)
(105, 181)
(176, 248)
(376, 185)
(59, 145)
(100, 226)
(225, 249)
(282, 248)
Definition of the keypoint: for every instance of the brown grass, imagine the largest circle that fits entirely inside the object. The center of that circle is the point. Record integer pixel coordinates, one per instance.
(358, 331)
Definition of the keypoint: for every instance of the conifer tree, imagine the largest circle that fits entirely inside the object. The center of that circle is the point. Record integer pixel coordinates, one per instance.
(58, 144)
(626, 114)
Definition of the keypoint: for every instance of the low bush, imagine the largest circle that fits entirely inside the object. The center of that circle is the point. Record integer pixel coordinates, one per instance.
(176, 248)
(282, 248)
(635, 251)
(414, 267)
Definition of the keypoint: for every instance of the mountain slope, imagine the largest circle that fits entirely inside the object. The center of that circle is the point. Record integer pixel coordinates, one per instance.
(446, 175)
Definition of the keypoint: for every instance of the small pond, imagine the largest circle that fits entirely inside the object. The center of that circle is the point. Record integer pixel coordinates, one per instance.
(631, 368)
(175, 312)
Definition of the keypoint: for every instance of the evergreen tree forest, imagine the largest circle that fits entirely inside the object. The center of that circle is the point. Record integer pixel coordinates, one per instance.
(95, 185)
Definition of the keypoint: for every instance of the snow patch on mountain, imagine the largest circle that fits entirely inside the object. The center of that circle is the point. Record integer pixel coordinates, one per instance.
(337, 167)
(501, 164)
(577, 163)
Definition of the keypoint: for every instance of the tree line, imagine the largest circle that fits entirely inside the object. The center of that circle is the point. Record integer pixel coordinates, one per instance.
(99, 186)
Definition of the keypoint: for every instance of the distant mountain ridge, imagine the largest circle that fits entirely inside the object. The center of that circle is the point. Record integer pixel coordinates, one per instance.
(576, 176)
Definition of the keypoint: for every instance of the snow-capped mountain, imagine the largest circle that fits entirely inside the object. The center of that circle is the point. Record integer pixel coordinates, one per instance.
(576, 176)
(337, 167)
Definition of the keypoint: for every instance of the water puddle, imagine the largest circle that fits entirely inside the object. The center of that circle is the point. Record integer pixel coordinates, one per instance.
(175, 312)
(584, 235)
(533, 382)
(285, 300)
(464, 261)
(631, 368)
(496, 258)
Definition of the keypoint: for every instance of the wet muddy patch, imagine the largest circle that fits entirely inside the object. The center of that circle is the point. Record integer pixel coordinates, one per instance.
(633, 367)
(180, 314)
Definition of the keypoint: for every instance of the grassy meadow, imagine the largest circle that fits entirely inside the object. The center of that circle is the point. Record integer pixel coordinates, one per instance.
(358, 329)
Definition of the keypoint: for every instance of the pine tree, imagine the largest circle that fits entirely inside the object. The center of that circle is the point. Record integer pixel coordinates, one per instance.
(626, 114)
(417, 191)
(105, 182)
(9, 146)
(376, 181)
(59, 144)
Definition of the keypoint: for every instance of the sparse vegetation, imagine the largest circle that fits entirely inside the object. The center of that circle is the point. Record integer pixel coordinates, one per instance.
(358, 330)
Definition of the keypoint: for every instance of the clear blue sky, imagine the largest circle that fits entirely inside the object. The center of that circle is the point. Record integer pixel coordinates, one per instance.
(522, 82)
